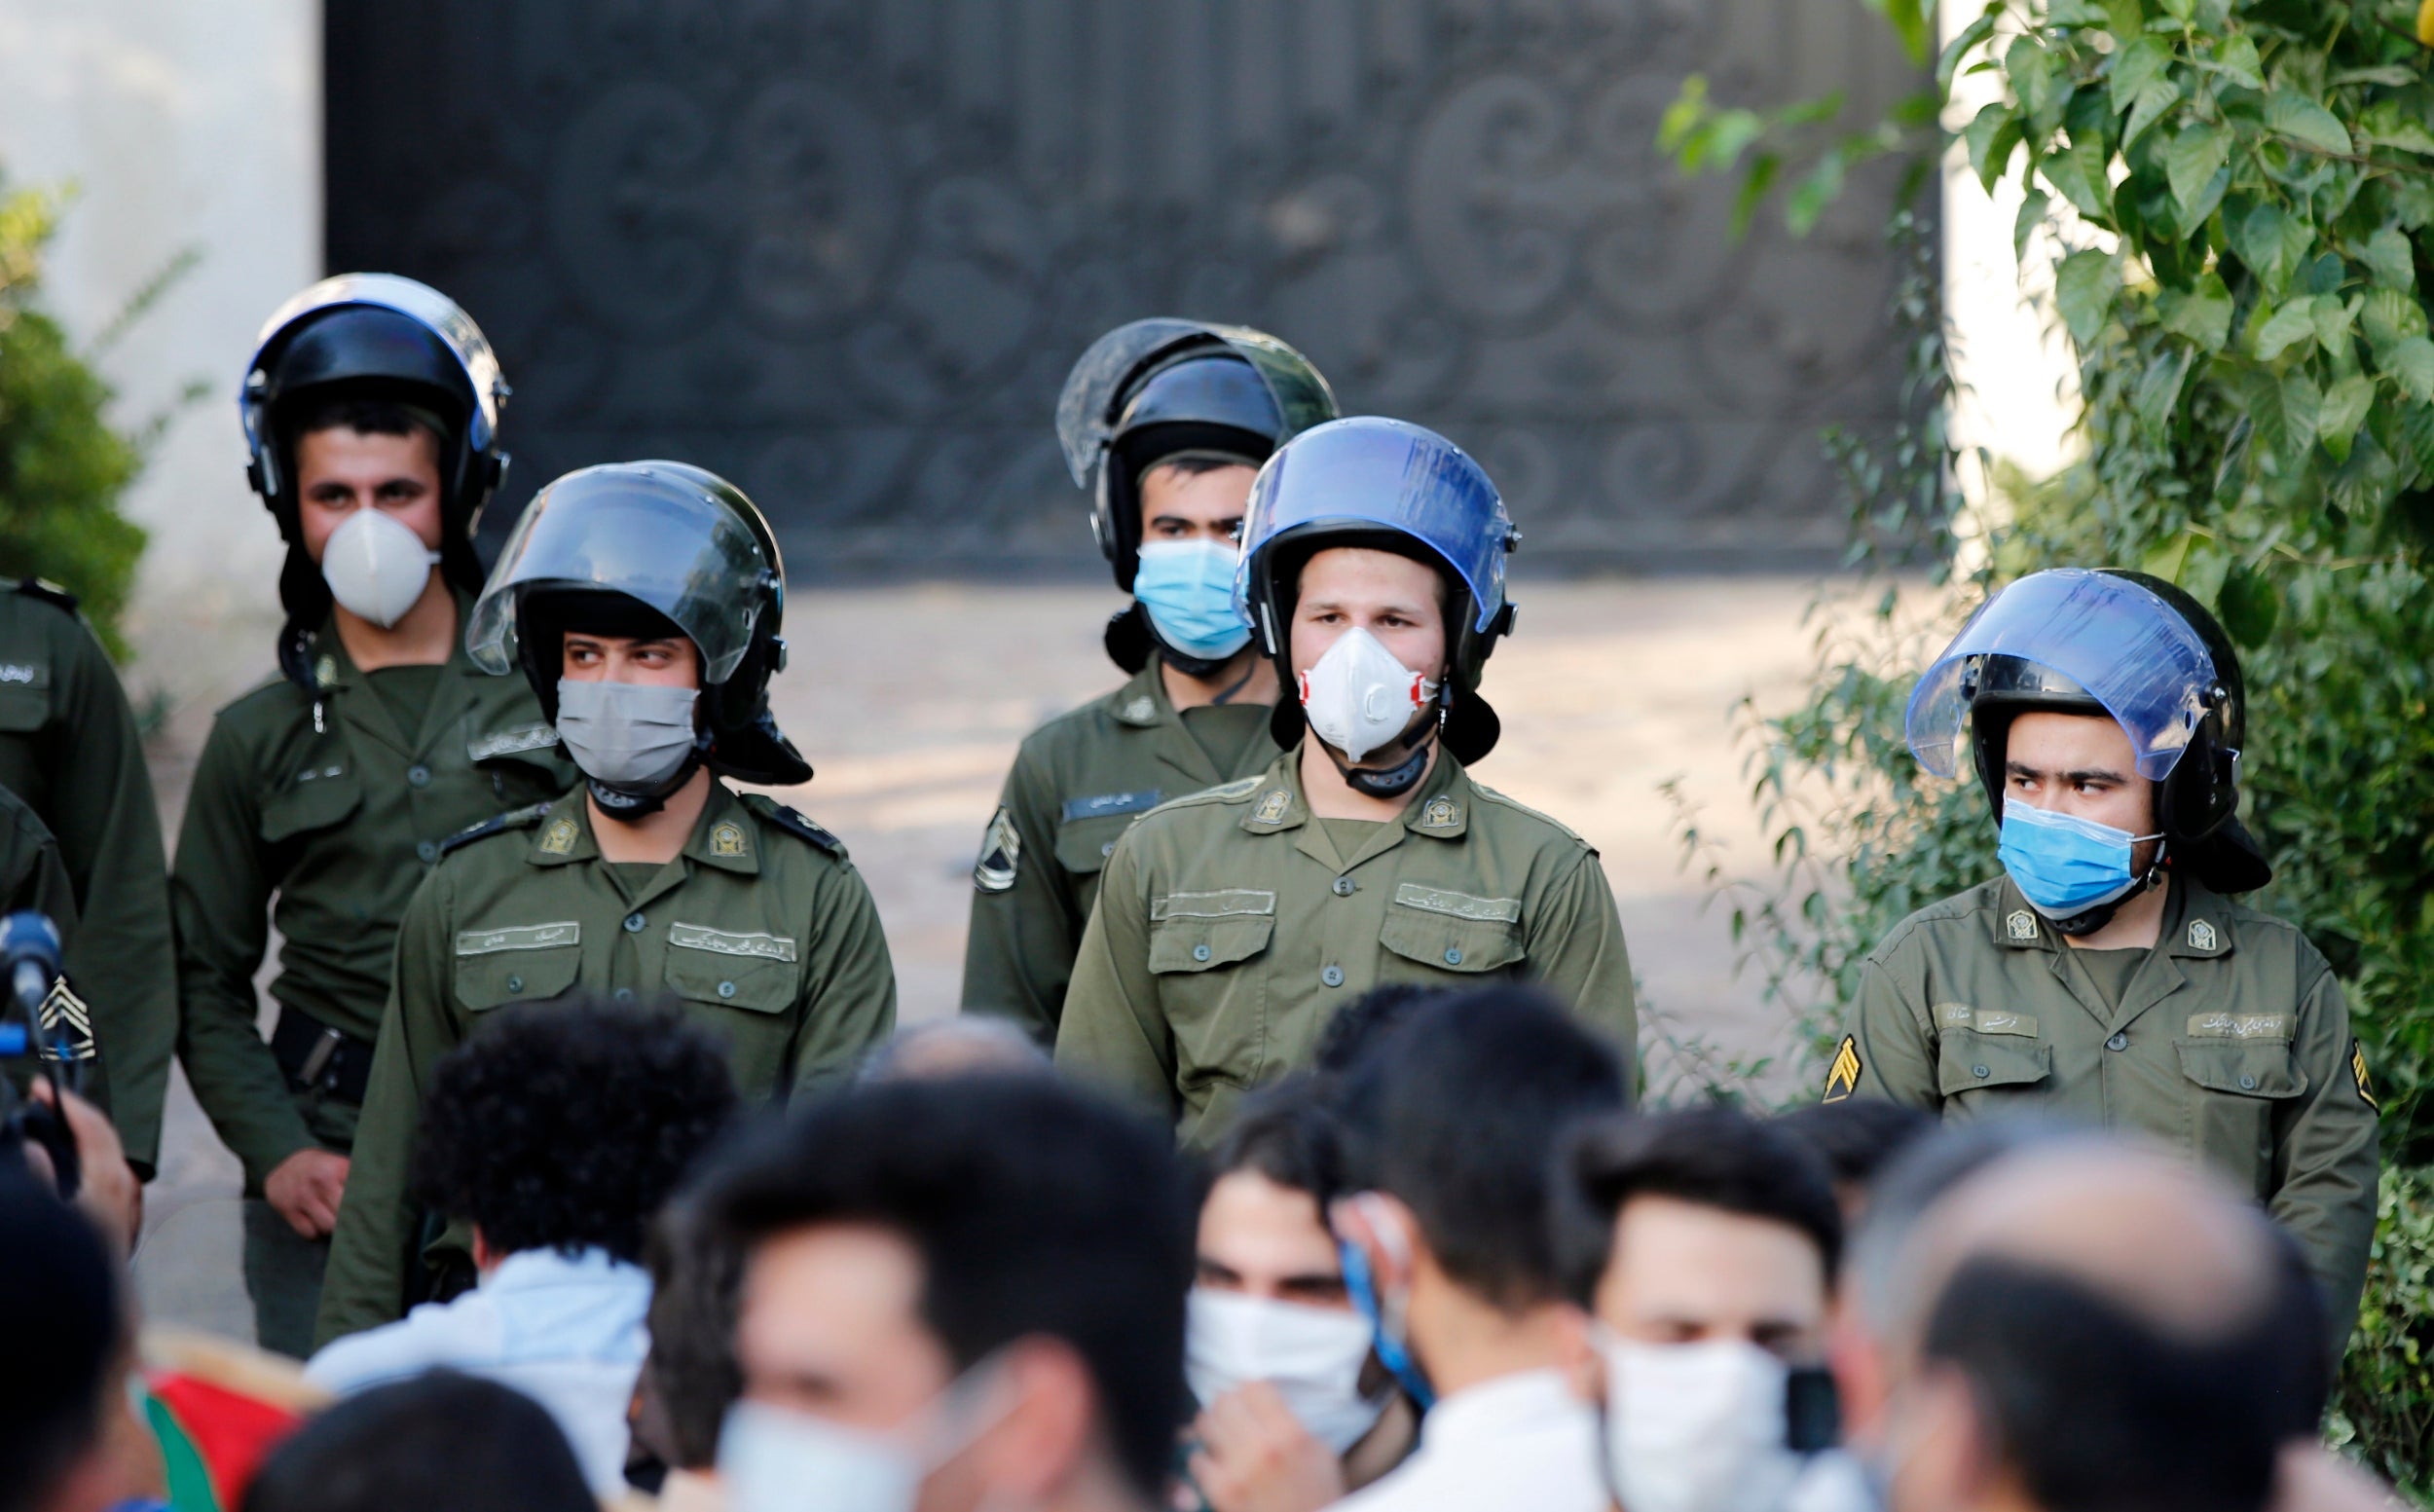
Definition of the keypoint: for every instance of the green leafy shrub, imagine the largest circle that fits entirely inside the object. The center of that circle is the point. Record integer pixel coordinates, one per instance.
(62, 466)
(2384, 1409)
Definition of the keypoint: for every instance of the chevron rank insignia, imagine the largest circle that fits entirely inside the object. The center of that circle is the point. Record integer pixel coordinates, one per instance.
(65, 1019)
(2358, 1073)
(1001, 855)
(1842, 1078)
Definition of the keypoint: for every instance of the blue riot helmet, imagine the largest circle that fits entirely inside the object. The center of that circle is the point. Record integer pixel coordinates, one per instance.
(1388, 486)
(380, 339)
(2109, 645)
(1159, 388)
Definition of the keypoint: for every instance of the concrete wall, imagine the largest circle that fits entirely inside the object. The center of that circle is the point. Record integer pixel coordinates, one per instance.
(184, 124)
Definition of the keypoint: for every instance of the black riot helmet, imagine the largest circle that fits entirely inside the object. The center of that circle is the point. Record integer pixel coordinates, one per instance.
(1384, 485)
(375, 338)
(650, 548)
(1159, 388)
(2111, 645)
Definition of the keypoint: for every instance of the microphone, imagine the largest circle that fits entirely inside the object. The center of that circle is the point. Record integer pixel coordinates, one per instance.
(29, 956)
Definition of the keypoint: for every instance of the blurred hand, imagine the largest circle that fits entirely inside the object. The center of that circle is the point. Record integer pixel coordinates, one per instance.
(1256, 1456)
(305, 1189)
(108, 1189)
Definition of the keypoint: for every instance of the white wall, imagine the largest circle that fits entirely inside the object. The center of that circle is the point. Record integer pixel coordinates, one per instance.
(185, 123)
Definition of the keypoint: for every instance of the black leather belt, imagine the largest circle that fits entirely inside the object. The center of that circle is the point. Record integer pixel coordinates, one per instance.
(319, 1057)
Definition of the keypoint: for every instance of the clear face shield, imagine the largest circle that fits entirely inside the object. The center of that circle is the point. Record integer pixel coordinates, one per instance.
(645, 529)
(2080, 632)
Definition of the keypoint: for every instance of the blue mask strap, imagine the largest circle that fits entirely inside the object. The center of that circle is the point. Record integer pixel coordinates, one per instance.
(1391, 1351)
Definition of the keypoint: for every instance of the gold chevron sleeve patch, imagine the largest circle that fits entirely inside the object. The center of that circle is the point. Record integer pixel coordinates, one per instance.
(2358, 1073)
(1842, 1078)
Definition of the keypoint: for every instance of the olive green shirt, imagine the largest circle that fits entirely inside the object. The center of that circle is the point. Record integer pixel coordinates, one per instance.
(32, 876)
(1228, 930)
(1077, 783)
(70, 749)
(760, 931)
(2232, 1043)
(322, 815)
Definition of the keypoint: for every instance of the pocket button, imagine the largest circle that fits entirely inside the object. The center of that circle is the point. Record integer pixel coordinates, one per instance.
(2247, 1083)
(1979, 1071)
(726, 990)
(1200, 952)
(515, 984)
(1454, 956)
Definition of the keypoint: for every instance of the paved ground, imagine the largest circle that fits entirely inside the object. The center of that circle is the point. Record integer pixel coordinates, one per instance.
(909, 702)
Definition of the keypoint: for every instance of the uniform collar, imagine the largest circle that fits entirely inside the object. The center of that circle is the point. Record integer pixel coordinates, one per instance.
(2197, 923)
(724, 837)
(333, 669)
(1142, 702)
(1439, 809)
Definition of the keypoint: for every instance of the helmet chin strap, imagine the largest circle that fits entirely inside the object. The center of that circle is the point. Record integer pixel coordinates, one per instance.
(1391, 782)
(2088, 921)
(629, 807)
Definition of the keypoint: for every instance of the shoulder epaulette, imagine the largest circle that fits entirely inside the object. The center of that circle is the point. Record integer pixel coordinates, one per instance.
(514, 818)
(48, 592)
(1493, 796)
(1230, 791)
(794, 823)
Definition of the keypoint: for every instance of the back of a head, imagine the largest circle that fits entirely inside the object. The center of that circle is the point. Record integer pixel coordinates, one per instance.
(565, 1127)
(1474, 1095)
(439, 1439)
(1285, 1132)
(690, 1377)
(62, 1335)
(1858, 1137)
(1037, 1208)
(1711, 1156)
(962, 1045)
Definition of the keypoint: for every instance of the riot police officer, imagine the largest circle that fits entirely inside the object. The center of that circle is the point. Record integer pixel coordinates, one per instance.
(2107, 974)
(371, 407)
(1232, 923)
(643, 603)
(1172, 418)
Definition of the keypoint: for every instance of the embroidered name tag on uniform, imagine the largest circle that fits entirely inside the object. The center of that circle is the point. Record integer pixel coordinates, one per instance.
(2239, 1026)
(525, 937)
(21, 673)
(2020, 925)
(1842, 1078)
(726, 838)
(1228, 903)
(1463, 906)
(559, 838)
(718, 941)
(2201, 935)
(511, 741)
(1108, 804)
(1442, 813)
(1984, 1020)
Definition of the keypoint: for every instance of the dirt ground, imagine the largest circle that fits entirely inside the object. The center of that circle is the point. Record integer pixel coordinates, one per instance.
(909, 702)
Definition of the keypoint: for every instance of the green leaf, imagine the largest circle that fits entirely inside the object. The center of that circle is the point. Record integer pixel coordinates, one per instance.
(2191, 159)
(2410, 363)
(2160, 386)
(1755, 184)
(2256, 236)
(2084, 287)
(2386, 124)
(1993, 123)
(1817, 190)
(2289, 325)
(2078, 173)
(2203, 314)
(2390, 316)
(2345, 406)
(2154, 97)
(2031, 73)
(2387, 258)
(1972, 36)
(2248, 605)
(1913, 24)
(2137, 66)
(2392, 74)
(2236, 60)
(2301, 119)
(2169, 557)
(2332, 317)
(2033, 207)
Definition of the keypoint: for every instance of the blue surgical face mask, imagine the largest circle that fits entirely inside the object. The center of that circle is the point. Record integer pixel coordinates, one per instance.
(2064, 865)
(1188, 588)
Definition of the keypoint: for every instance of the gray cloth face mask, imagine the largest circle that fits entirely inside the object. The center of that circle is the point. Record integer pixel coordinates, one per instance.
(631, 735)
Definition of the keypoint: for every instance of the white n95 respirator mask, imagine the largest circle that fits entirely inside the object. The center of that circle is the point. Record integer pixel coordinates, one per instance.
(1359, 697)
(376, 567)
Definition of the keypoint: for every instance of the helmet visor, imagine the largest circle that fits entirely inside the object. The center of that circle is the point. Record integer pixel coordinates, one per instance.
(2121, 646)
(1371, 474)
(1086, 410)
(418, 302)
(654, 534)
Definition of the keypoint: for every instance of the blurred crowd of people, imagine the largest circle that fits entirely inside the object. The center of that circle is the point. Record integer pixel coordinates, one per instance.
(1447, 1266)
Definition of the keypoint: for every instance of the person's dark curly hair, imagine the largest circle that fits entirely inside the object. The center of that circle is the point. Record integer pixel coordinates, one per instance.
(565, 1127)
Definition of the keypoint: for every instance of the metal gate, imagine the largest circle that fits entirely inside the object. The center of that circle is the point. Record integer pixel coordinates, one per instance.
(843, 251)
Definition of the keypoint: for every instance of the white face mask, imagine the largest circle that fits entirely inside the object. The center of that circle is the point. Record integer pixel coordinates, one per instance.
(626, 734)
(1311, 1355)
(1696, 1427)
(376, 567)
(1359, 697)
(775, 1459)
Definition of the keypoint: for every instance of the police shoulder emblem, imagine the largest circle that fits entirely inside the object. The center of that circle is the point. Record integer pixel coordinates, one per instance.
(726, 838)
(1442, 813)
(1272, 808)
(326, 672)
(2358, 1073)
(1842, 1077)
(2201, 935)
(559, 838)
(1140, 710)
(1001, 855)
(2021, 924)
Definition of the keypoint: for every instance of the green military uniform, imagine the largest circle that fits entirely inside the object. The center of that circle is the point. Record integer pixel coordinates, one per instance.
(2228, 1040)
(32, 876)
(761, 929)
(69, 748)
(1232, 925)
(1077, 783)
(335, 804)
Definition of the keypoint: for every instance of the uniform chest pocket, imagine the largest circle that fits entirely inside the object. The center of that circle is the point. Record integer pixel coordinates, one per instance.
(731, 969)
(25, 697)
(1968, 1061)
(1453, 932)
(2256, 1069)
(1201, 932)
(517, 963)
(1084, 845)
(317, 796)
